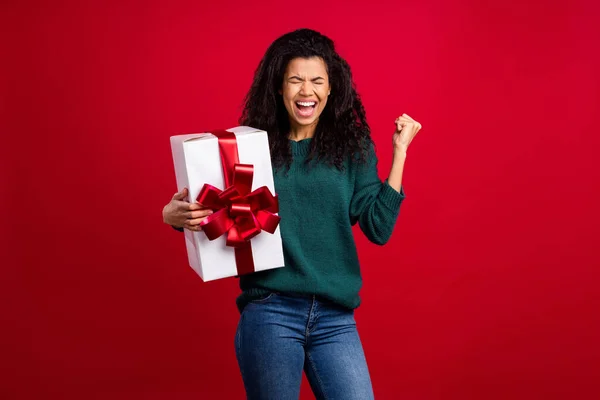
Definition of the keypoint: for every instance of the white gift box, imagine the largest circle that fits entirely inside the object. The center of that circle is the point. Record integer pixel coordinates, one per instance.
(197, 162)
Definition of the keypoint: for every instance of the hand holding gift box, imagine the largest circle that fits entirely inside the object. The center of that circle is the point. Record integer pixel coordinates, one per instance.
(230, 172)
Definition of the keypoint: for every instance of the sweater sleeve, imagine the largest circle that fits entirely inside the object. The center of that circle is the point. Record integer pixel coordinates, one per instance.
(375, 205)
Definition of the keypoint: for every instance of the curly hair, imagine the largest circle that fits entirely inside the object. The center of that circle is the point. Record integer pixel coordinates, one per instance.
(342, 131)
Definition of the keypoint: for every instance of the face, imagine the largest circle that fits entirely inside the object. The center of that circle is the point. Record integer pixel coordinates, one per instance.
(305, 89)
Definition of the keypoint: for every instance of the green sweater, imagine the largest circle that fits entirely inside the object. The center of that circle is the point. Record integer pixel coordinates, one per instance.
(318, 207)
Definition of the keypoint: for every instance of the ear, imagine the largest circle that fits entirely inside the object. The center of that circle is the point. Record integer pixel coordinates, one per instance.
(280, 91)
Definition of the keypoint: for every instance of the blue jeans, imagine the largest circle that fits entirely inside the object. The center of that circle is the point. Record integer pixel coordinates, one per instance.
(281, 335)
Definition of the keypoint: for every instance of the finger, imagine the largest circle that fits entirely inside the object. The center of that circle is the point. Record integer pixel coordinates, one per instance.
(194, 206)
(198, 214)
(403, 123)
(184, 207)
(181, 195)
(409, 118)
(195, 221)
(412, 124)
(418, 126)
(193, 228)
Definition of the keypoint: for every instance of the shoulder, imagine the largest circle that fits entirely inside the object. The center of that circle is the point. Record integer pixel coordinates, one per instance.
(366, 157)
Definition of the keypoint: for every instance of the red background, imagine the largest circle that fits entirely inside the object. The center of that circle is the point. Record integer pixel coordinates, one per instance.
(488, 288)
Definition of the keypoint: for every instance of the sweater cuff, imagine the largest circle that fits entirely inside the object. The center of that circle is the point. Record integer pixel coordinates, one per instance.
(177, 229)
(390, 197)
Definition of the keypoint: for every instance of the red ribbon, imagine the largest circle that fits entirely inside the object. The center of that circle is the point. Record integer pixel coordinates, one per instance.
(238, 212)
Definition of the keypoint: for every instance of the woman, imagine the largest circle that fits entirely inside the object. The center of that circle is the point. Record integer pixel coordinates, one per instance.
(301, 317)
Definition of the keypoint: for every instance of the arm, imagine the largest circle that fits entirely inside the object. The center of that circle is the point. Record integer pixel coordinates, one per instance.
(395, 177)
(376, 205)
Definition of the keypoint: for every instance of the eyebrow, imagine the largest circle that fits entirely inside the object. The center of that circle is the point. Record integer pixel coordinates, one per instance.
(313, 79)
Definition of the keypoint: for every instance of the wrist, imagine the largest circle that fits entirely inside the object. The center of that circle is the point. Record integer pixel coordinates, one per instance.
(400, 153)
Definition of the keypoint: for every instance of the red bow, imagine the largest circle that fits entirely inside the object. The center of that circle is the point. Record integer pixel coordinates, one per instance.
(239, 212)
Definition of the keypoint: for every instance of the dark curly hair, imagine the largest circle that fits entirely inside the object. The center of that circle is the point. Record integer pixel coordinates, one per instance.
(342, 131)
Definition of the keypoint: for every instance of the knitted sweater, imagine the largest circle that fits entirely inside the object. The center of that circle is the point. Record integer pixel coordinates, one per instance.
(318, 207)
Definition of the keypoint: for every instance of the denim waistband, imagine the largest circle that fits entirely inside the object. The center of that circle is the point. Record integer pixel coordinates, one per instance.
(307, 296)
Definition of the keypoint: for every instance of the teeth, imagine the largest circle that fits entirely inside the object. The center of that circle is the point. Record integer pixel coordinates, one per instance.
(306, 103)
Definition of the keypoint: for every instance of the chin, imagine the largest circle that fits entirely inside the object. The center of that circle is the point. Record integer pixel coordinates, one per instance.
(304, 122)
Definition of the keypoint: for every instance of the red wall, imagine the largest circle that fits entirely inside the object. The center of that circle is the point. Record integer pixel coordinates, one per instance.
(488, 288)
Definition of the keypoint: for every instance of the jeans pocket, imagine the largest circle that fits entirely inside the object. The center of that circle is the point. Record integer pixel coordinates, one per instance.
(263, 299)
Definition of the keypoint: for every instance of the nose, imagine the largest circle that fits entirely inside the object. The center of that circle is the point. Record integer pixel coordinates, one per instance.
(306, 89)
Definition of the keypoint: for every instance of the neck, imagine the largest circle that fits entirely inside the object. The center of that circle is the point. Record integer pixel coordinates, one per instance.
(300, 132)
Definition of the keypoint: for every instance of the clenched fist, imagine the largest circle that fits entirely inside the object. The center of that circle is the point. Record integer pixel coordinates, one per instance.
(181, 214)
(406, 130)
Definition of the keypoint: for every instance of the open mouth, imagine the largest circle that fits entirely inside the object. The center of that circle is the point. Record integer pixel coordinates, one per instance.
(306, 108)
